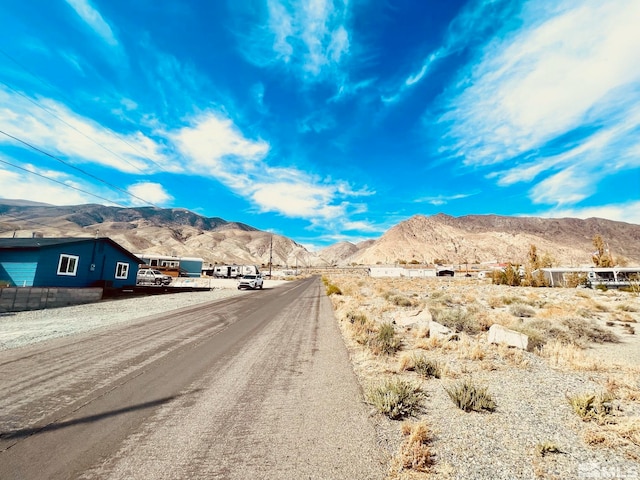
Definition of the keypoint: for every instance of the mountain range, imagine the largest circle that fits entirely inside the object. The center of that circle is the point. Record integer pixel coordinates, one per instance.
(471, 239)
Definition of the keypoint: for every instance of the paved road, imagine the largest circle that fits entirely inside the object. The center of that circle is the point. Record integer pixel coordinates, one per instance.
(253, 387)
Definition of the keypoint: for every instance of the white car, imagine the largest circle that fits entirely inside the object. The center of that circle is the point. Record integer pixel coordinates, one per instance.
(250, 281)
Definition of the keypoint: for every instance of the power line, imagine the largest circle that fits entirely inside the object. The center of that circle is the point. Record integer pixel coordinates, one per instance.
(70, 126)
(61, 183)
(74, 167)
(46, 83)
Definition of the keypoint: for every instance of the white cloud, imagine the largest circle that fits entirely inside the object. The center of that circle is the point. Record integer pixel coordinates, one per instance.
(625, 212)
(443, 199)
(566, 187)
(569, 74)
(94, 20)
(474, 20)
(14, 184)
(294, 199)
(150, 192)
(52, 127)
(213, 145)
(541, 81)
(309, 36)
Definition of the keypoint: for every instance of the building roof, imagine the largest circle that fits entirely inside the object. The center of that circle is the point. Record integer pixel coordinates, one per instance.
(38, 243)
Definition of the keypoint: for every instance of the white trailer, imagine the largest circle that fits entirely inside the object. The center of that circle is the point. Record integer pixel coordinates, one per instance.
(234, 271)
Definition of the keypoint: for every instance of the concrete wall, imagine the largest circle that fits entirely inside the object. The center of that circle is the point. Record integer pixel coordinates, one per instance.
(18, 299)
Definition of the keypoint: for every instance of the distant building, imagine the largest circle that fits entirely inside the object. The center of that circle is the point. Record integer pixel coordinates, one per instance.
(172, 265)
(611, 277)
(389, 272)
(66, 262)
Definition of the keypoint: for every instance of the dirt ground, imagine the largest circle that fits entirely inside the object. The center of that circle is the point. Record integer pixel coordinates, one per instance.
(583, 343)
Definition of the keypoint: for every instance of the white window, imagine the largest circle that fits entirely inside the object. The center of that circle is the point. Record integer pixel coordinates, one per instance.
(68, 264)
(122, 270)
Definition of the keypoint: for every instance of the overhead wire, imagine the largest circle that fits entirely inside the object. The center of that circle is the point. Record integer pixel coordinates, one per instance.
(39, 150)
(61, 183)
(46, 83)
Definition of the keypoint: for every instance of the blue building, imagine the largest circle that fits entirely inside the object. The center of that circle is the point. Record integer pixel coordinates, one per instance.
(66, 262)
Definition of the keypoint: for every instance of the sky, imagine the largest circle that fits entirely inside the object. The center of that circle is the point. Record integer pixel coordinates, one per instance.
(323, 120)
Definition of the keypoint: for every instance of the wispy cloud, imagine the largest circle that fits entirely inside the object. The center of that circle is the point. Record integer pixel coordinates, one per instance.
(53, 127)
(443, 199)
(40, 188)
(569, 72)
(214, 146)
(94, 20)
(471, 25)
(626, 212)
(310, 37)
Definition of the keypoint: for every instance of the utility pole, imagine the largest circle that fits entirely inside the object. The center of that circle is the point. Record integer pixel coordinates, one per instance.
(270, 255)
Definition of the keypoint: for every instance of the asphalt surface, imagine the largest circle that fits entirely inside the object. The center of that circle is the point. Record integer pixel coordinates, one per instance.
(254, 387)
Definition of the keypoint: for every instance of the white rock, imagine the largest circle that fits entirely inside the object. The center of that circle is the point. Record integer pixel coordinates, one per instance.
(501, 335)
(437, 330)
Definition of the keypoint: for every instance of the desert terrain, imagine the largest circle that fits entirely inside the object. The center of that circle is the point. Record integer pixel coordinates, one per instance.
(567, 408)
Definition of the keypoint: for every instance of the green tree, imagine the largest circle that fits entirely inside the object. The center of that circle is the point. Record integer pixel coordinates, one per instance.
(601, 257)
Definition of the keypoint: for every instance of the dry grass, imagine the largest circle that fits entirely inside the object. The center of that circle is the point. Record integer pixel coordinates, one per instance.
(624, 386)
(471, 398)
(592, 406)
(423, 366)
(396, 398)
(565, 325)
(415, 452)
(571, 356)
(546, 448)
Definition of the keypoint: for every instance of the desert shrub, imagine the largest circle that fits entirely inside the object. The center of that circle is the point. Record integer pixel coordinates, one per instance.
(396, 398)
(333, 289)
(625, 307)
(537, 337)
(576, 331)
(511, 300)
(469, 397)
(425, 367)
(400, 301)
(521, 310)
(362, 328)
(357, 317)
(385, 341)
(594, 407)
(415, 453)
(588, 331)
(545, 448)
(458, 319)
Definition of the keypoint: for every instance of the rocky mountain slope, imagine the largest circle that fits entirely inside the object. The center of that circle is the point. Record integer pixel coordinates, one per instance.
(455, 240)
(489, 238)
(173, 231)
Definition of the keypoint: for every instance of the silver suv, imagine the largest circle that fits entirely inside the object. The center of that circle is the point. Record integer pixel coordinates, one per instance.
(251, 281)
(149, 276)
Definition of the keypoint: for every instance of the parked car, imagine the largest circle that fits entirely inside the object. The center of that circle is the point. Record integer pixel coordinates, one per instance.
(149, 276)
(251, 281)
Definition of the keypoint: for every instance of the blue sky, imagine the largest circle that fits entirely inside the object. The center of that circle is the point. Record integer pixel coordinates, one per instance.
(324, 120)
